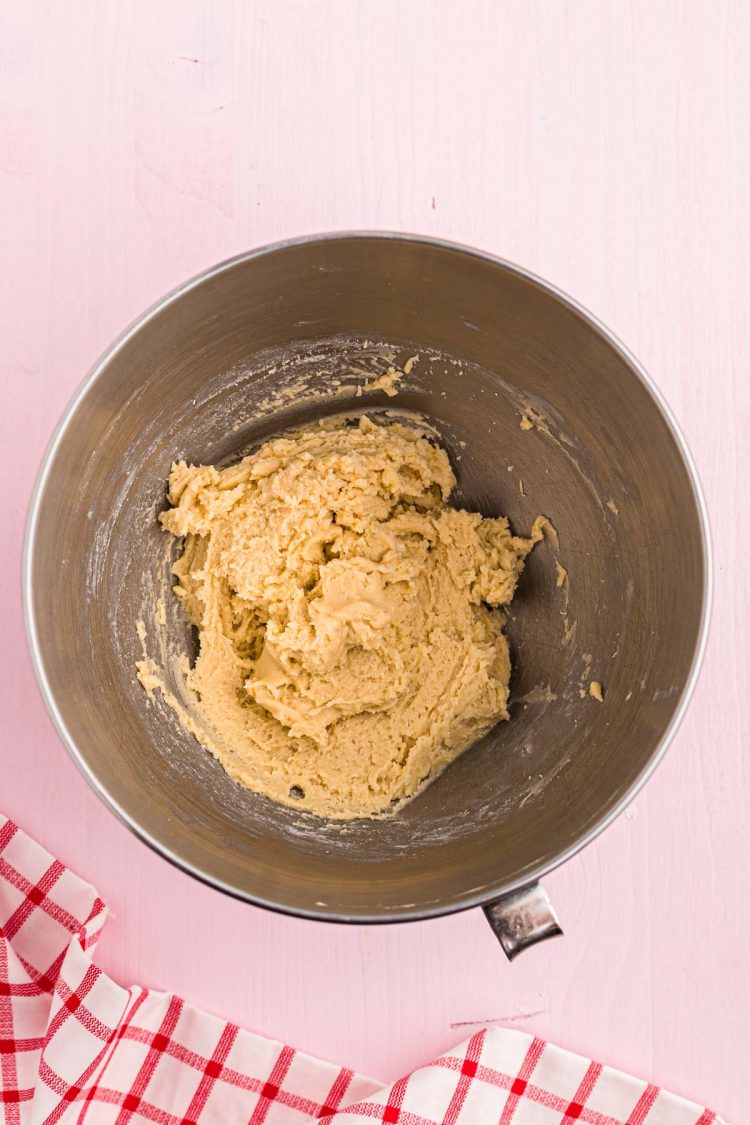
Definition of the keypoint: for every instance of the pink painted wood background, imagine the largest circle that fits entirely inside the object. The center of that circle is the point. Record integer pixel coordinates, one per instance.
(602, 144)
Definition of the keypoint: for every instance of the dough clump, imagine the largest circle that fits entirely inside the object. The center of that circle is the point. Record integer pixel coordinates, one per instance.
(350, 647)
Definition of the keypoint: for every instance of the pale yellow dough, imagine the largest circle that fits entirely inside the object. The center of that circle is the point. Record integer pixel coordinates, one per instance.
(348, 651)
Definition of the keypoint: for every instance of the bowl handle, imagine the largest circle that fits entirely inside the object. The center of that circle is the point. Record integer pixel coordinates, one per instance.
(522, 918)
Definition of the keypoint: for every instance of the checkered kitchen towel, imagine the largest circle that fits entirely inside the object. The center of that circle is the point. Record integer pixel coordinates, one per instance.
(75, 1046)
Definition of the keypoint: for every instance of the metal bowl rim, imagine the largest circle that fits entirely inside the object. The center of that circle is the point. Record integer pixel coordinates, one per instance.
(470, 900)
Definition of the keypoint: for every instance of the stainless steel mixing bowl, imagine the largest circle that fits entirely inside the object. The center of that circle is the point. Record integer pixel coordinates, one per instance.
(195, 377)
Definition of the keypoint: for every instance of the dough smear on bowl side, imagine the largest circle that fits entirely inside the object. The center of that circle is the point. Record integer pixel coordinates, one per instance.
(350, 643)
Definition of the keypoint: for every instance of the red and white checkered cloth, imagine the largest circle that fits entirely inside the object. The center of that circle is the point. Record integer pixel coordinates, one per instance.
(75, 1046)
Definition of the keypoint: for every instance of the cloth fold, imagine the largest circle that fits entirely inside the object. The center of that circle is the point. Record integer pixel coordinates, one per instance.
(77, 1047)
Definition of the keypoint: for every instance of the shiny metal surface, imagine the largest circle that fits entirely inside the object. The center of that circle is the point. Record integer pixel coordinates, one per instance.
(522, 919)
(609, 468)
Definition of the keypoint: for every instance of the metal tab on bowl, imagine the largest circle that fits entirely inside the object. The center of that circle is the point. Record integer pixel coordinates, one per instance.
(522, 919)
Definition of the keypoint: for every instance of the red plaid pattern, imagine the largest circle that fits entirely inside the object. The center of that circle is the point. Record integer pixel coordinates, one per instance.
(76, 1047)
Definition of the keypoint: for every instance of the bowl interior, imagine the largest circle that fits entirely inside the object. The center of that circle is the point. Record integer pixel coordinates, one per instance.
(280, 338)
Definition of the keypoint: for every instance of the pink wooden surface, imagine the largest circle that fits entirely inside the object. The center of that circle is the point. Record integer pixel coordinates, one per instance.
(602, 144)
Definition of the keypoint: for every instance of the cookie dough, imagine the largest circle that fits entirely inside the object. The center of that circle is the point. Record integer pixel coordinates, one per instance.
(348, 648)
